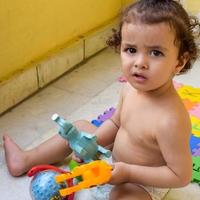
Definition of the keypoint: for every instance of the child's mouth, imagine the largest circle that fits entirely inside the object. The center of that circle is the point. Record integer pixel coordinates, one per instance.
(139, 77)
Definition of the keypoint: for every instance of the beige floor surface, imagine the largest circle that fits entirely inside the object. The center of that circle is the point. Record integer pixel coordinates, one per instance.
(84, 93)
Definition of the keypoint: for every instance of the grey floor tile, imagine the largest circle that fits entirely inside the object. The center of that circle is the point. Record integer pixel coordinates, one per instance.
(93, 76)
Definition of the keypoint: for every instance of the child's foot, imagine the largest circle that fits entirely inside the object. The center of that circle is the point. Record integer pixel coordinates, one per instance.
(15, 157)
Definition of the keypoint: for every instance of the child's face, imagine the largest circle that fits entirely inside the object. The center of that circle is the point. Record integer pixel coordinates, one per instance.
(149, 55)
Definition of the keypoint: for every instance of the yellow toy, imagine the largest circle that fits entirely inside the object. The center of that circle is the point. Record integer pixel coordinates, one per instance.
(92, 174)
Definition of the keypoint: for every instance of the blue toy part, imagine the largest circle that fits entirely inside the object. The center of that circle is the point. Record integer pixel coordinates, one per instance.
(97, 123)
(44, 187)
(83, 144)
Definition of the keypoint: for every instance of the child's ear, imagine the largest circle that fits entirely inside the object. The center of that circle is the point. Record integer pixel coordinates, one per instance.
(182, 62)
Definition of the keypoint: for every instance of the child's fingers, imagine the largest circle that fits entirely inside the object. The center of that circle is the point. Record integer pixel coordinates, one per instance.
(77, 159)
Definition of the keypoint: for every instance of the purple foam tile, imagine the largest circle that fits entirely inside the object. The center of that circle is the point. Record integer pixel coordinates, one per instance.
(196, 151)
(106, 115)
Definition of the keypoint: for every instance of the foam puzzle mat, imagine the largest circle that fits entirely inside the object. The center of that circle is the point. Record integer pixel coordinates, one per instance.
(191, 100)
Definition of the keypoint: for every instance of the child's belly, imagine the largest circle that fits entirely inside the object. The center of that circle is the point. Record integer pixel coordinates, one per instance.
(132, 151)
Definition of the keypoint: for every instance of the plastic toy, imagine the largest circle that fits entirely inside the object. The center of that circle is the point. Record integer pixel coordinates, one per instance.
(43, 185)
(196, 169)
(101, 118)
(72, 164)
(83, 144)
(94, 173)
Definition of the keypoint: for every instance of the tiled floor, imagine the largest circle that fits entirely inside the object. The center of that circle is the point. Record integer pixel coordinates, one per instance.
(81, 94)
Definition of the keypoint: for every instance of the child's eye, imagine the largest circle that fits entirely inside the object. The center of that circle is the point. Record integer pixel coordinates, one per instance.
(130, 50)
(156, 53)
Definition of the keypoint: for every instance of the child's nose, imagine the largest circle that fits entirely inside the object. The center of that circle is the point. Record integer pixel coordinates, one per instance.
(141, 62)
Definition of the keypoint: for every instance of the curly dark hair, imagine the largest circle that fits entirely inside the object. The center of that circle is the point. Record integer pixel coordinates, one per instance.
(186, 27)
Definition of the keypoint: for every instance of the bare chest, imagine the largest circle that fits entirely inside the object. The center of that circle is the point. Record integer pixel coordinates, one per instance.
(137, 133)
(139, 119)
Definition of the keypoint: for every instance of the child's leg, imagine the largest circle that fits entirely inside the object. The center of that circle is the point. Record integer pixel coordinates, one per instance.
(129, 191)
(51, 151)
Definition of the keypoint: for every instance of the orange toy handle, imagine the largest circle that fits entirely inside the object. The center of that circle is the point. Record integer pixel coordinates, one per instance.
(94, 173)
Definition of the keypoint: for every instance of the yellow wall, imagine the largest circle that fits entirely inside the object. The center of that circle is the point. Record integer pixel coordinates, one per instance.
(30, 29)
(193, 6)
(125, 2)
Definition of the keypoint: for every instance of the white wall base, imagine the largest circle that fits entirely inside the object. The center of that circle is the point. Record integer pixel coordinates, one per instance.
(39, 74)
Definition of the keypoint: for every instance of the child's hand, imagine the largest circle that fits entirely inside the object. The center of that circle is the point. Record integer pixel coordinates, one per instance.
(76, 158)
(120, 173)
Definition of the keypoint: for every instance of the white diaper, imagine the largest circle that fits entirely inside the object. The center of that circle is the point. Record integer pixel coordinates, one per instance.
(102, 192)
(155, 193)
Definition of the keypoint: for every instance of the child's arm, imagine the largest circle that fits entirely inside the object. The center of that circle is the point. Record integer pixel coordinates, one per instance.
(107, 131)
(177, 172)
